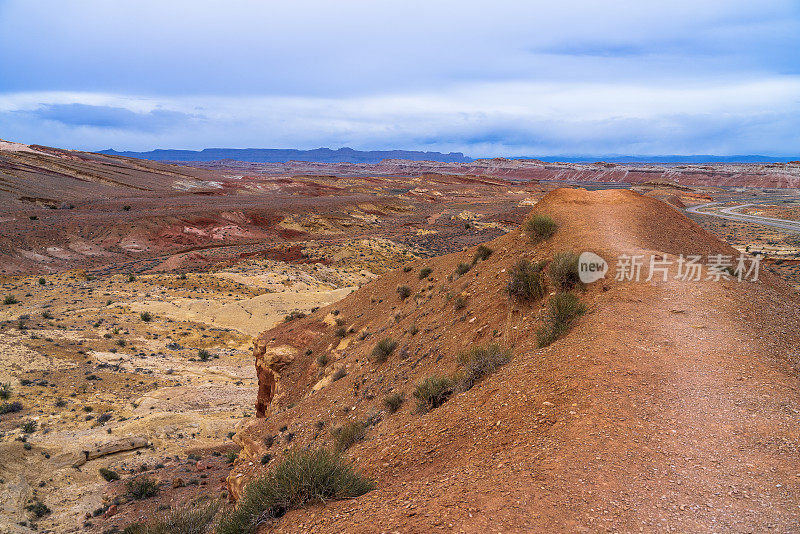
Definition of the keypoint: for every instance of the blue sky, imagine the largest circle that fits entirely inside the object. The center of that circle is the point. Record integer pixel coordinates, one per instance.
(485, 78)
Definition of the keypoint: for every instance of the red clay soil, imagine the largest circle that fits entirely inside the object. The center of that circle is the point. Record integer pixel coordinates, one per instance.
(670, 406)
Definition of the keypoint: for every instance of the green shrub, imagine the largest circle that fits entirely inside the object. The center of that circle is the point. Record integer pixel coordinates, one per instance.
(481, 254)
(145, 316)
(131, 278)
(187, 519)
(142, 488)
(29, 426)
(463, 268)
(303, 477)
(540, 227)
(433, 392)
(478, 363)
(564, 271)
(42, 281)
(383, 349)
(204, 355)
(404, 292)
(348, 434)
(47, 315)
(5, 390)
(393, 402)
(563, 309)
(10, 299)
(10, 407)
(231, 456)
(525, 281)
(425, 272)
(108, 474)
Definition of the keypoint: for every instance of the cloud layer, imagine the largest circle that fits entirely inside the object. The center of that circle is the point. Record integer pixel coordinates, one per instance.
(505, 78)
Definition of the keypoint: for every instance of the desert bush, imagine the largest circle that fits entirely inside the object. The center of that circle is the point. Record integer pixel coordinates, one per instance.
(384, 348)
(393, 402)
(204, 355)
(231, 456)
(126, 208)
(42, 281)
(463, 268)
(404, 292)
(47, 315)
(481, 254)
(322, 360)
(564, 271)
(108, 474)
(10, 407)
(478, 363)
(407, 268)
(341, 331)
(348, 434)
(131, 278)
(10, 299)
(563, 309)
(540, 227)
(38, 509)
(433, 392)
(525, 281)
(460, 303)
(60, 402)
(294, 315)
(146, 317)
(339, 373)
(187, 519)
(142, 488)
(29, 426)
(303, 477)
(5, 390)
(425, 272)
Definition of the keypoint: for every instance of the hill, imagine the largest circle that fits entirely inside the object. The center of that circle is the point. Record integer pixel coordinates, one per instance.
(670, 405)
(276, 155)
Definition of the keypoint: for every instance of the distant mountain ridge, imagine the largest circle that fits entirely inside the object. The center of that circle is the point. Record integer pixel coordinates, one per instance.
(279, 155)
(676, 159)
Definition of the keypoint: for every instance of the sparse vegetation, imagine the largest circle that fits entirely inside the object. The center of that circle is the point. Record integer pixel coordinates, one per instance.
(425, 272)
(393, 401)
(322, 360)
(564, 271)
(294, 315)
(463, 268)
(563, 309)
(525, 281)
(433, 392)
(38, 509)
(42, 281)
(481, 254)
(480, 362)
(231, 456)
(142, 487)
(460, 303)
(188, 519)
(383, 349)
(10, 407)
(204, 355)
(47, 315)
(131, 278)
(146, 317)
(340, 373)
(108, 474)
(29, 426)
(404, 292)
(10, 299)
(348, 434)
(407, 268)
(540, 227)
(5, 390)
(303, 477)
(341, 331)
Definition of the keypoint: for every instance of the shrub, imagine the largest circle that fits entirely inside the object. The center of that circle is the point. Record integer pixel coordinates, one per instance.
(303, 477)
(29, 426)
(564, 271)
(540, 227)
(525, 281)
(47, 315)
(478, 363)
(460, 303)
(60, 403)
(463, 268)
(108, 474)
(121, 342)
(5, 390)
(10, 407)
(182, 276)
(348, 434)
(433, 392)
(187, 519)
(341, 331)
(131, 278)
(231, 456)
(404, 292)
(338, 374)
(142, 488)
(425, 272)
(203, 355)
(145, 316)
(393, 402)
(38, 509)
(481, 254)
(563, 309)
(383, 349)
(407, 268)
(42, 281)
(322, 360)
(10, 299)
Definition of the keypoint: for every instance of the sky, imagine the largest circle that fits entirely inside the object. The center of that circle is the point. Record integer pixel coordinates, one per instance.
(499, 78)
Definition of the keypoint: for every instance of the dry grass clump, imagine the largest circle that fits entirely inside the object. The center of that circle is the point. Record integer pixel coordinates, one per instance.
(526, 282)
(481, 254)
(393, 402)
(187, 519)
(425, 272)
(480, 362)
(303, 477)
(540, 227)
(564, 271)
(463, 268)
(433, 392)
(404, 292)
(142, 488)
(348, 434)
(383, 349)
(563, 309)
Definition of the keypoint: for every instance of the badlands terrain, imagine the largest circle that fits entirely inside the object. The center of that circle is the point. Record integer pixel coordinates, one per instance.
(191, 324)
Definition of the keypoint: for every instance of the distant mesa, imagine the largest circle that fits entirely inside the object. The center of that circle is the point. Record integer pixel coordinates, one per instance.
(278, 155)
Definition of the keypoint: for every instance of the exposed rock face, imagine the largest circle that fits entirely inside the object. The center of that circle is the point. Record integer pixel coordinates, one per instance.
(113, 447)
(270, 361)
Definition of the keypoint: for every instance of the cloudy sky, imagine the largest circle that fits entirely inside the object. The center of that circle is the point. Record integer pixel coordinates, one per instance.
(524, 77)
